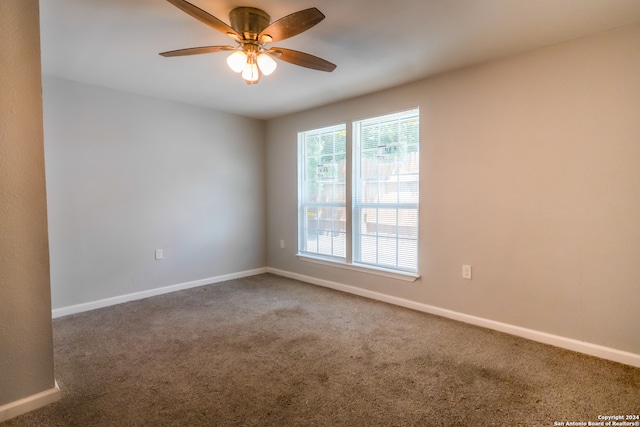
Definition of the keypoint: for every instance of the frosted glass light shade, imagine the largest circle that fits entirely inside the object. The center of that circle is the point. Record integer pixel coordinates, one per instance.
(250, 72)
(266, 63)
(237, 61)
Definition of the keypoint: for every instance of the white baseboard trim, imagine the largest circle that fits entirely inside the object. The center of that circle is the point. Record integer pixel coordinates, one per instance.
(596, 350)
(30, 403)
(92, 305)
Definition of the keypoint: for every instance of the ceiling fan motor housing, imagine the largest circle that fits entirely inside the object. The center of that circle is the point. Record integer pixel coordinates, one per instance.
(249, 21)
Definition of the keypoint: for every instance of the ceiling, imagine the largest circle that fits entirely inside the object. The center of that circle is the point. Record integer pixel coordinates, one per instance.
(376, 44)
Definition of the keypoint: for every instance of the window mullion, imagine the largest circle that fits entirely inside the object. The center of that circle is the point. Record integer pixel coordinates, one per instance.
(349, 212)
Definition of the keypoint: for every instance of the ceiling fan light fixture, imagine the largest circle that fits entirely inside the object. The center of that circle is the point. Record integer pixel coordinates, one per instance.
(267, 64)
(252, 29)
(237, 61)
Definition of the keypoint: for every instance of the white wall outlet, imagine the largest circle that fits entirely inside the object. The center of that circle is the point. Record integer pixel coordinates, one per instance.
(281, 244)
(466, 272)
(159, 254)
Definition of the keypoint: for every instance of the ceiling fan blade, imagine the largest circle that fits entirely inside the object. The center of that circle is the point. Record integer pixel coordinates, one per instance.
(291, 25)
(205, 17)
(196, 50)
(302, 59)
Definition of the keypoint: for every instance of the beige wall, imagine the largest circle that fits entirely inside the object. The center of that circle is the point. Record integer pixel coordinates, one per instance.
(530, 173)
(26, 351)
(128, 174)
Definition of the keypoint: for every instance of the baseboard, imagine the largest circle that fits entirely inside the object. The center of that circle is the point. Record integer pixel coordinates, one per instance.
(92, 305)
(602, 352)
(30, 403)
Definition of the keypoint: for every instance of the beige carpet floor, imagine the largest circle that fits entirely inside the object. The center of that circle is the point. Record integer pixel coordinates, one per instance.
(270, 351)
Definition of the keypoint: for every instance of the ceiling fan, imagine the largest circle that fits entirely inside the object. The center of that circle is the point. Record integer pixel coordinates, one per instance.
(252, 30)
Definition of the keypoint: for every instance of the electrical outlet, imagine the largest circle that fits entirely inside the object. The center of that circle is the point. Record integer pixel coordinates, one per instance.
(159, 254)
(281, 244)
(466, 272)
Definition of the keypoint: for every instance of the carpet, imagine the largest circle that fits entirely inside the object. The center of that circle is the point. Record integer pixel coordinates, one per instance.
(271, 351)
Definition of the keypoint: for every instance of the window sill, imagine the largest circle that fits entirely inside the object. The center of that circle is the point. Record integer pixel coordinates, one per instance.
(378, 271)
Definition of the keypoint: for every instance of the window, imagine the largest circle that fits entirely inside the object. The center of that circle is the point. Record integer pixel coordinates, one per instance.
(359, 192)
(387, 172)
(323, 192)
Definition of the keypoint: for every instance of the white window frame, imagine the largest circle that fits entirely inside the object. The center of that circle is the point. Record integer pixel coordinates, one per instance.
(402, 219)
(347, 262)
(326, 225)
